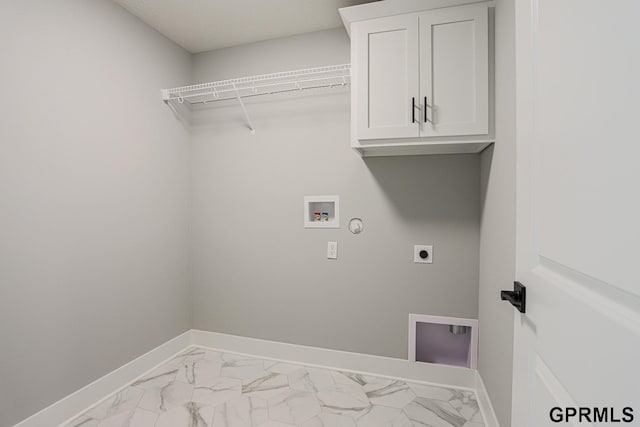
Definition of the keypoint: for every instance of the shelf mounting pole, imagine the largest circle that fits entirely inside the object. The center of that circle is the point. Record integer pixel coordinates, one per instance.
(253, 131)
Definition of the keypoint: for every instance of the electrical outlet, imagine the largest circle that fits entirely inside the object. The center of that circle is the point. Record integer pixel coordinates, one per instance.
(423, 254)
(332, 250)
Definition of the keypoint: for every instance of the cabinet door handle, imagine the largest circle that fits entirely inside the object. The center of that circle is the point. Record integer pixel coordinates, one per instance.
(413, 110)
(426, 119)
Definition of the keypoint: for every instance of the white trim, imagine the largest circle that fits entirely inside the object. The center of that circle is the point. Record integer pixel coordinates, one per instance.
(404, 148)
(382, 9)
(102, 388)
(78, 402)
(439, 375)
(484, 403)
(443, 320)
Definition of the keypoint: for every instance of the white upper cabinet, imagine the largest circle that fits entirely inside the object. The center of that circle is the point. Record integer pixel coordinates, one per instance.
(420, 82)
(387, 89)
(454, 67)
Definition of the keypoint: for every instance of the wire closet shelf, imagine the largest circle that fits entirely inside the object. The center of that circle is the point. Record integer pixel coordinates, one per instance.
(265, 84)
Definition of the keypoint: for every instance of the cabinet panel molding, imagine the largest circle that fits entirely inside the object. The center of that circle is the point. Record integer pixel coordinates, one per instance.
(386, 69)
(454, 71)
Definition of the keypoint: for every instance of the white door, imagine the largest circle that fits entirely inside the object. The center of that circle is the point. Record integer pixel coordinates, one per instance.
(386, 69)
(578, 212)
(454, 71)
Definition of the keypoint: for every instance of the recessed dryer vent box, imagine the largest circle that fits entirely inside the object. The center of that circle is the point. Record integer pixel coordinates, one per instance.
(322, 212)
(443, 340)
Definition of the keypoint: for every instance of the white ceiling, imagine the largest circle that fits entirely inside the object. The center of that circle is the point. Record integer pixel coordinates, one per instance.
(202, 25)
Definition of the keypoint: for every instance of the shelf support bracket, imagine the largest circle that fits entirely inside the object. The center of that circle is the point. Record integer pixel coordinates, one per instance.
(167, 100)
(246, 115)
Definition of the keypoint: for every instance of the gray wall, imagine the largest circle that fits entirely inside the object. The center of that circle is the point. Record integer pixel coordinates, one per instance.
(93, 198)
(259, 273)
(497, 235)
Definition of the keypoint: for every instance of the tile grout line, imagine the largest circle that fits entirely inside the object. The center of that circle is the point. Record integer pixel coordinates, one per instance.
(313, 365)
(122, 388)
(263, 360)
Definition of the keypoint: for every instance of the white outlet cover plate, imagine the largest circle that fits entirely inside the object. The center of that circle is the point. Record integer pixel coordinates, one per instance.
(332, 250)
(416, 254)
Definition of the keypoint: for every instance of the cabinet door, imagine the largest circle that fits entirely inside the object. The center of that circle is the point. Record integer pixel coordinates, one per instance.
(454, 72)
(386, 77)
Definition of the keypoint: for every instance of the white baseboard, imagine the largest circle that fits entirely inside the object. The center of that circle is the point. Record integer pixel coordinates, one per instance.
(484, 403)
(77, 402)
(99, 390)
(322, 357)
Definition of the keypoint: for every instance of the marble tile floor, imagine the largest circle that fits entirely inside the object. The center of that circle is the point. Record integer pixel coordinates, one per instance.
(206, 388)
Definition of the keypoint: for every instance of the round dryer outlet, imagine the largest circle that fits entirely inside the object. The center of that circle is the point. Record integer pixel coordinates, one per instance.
(423, 254)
